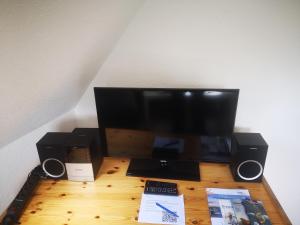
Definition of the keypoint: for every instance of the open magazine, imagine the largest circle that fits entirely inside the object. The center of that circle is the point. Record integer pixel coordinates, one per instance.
(225, 206)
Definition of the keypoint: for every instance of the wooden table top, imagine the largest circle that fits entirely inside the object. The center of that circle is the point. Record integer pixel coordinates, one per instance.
(114, 198)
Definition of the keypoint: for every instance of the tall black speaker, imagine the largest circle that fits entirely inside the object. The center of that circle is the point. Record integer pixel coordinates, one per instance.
(249, 152)
(52, 154)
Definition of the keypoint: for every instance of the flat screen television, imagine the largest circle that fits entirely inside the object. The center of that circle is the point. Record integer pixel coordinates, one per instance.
(166, 131)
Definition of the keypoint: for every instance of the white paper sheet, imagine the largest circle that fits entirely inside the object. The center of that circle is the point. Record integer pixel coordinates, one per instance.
(151, 213)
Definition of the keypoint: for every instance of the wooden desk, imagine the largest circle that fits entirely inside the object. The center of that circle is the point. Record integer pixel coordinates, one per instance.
(115, 198)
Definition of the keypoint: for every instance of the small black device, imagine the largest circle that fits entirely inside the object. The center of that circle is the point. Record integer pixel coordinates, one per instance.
(160, 188)
(83, 157)
(249, 152)
(52, 154)
(176, 126)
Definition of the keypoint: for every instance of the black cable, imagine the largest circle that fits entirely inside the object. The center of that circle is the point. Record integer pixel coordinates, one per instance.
(16, 208)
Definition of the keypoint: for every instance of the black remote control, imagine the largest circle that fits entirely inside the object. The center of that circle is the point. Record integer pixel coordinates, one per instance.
(160, 188)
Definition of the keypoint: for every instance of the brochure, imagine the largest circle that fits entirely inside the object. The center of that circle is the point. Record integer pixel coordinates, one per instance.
(225, 206)
(162, 209)
(256, 213)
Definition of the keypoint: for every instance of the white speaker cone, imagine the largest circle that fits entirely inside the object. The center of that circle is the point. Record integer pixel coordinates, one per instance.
(245, 163)
(60, 164)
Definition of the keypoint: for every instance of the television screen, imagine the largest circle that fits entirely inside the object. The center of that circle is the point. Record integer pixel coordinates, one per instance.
(163, 123)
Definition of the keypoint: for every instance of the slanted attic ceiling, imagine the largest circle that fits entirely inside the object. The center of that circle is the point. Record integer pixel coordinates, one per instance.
(49, 52)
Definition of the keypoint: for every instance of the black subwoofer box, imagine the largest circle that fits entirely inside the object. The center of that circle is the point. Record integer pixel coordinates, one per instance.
(52, 154)
(249, 152)
(75, 156)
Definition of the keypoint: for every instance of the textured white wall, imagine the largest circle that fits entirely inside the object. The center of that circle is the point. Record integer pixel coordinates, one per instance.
(18, 158)
(49, 52)
(251, 45)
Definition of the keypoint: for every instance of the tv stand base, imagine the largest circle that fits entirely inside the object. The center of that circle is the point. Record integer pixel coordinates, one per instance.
(166, 169)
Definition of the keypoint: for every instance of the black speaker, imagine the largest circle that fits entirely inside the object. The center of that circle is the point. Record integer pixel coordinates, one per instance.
(249, 152)
(75, 156)
(84, 155)
(52, 153)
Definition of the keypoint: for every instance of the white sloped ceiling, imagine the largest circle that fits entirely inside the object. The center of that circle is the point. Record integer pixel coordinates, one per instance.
(49, 52)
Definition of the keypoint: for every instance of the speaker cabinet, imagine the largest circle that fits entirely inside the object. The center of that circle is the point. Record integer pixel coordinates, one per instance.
(249, 152)
(83, 156)
(74, 156)
(52, 154)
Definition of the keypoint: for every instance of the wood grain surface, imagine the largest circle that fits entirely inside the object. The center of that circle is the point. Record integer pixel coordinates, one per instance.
(114, 198)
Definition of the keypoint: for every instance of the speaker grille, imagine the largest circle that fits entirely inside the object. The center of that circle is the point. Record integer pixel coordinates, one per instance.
(250, 170)
(53, 168)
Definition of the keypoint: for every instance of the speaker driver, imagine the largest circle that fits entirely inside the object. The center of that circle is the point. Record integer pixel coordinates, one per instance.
(53, 168)
(249, 170)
